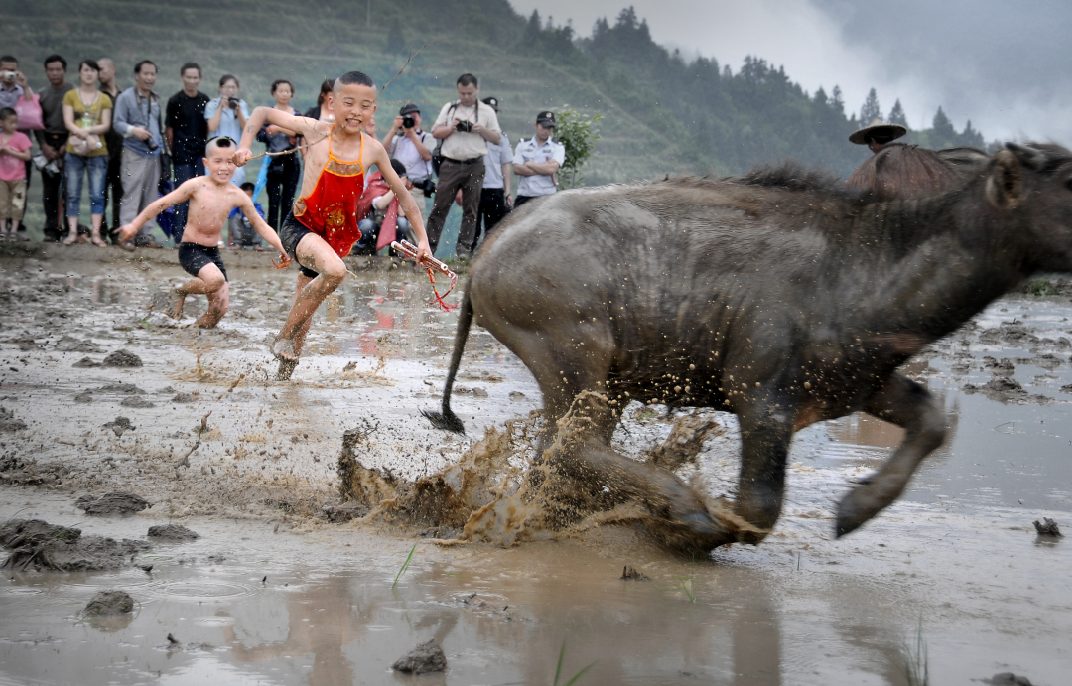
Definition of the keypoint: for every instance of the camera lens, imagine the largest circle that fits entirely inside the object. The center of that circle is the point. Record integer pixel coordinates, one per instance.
(408, 122)
(151, 144)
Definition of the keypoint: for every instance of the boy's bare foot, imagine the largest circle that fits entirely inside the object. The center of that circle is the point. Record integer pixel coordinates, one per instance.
(97, 241)
(283, 349)
(176, 301)
(71, 238)
(286, 368)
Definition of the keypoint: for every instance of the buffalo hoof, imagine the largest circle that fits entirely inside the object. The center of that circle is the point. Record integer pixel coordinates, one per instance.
(695, 534)
(860, 505)
(446, 421)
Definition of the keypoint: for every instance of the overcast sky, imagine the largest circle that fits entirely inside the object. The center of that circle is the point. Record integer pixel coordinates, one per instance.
(1004, 65)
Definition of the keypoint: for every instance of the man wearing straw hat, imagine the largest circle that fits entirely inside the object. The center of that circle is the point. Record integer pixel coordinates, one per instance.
(877, 135)
(897, 171)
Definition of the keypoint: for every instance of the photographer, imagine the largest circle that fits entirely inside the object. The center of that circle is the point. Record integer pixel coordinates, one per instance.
(228, 119)
(411, 146)
(465, 126)
(13, 87)
(137, 120)
(379, 208)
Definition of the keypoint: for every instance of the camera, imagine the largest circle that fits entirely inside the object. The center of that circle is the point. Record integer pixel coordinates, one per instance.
(10, 74)
(151, 144)
(233, 102)
(427, 185)
(465, 126)
(408, 122)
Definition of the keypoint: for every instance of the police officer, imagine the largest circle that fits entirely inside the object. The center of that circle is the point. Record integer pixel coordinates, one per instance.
(495, 199)
(537, 160)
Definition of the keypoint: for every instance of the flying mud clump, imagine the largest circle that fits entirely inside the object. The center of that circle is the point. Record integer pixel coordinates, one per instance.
(496, 493)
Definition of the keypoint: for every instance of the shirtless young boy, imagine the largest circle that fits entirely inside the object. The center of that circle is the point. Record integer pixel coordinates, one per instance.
(211, 199)
(322, 228)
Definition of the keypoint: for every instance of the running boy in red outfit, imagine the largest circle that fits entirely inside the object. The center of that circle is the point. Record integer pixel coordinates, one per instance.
(322, 228)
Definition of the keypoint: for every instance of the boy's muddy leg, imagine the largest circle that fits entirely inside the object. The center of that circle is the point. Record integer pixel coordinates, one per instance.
(218, 304)
(209, 280)
(286, 366)
(312, 250)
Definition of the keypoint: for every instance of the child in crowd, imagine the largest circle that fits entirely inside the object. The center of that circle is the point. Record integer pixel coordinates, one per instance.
(322, 228)
(240, 230)
(14, 154)
(211, 198)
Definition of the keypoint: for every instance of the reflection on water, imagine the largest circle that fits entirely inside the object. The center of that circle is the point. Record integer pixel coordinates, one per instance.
(502, 617)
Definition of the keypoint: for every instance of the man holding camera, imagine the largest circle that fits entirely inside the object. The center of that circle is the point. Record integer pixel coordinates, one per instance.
(411, 146)
(137, 120)
(13, 87)
(537, 160)
(465, 126)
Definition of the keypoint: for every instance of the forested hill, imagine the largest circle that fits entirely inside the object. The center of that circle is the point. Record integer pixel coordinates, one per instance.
(661, 114)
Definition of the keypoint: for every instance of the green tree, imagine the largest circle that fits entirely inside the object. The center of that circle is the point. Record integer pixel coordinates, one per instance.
(897, 115)
(943, 128)
(578, 134)
(871, 109)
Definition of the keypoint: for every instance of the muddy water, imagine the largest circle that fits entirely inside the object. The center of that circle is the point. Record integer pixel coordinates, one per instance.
(957, 556)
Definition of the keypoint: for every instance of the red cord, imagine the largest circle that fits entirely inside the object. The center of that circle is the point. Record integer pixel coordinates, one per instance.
(446, 307)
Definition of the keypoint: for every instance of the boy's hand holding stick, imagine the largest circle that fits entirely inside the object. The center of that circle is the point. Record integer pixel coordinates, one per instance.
(432, 265)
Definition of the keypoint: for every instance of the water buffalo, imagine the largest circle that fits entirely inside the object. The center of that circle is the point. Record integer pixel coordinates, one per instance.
(782, 296)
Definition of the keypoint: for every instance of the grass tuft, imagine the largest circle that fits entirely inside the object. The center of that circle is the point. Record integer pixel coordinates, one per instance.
(915, 669)
(405, 565)
(558, 670)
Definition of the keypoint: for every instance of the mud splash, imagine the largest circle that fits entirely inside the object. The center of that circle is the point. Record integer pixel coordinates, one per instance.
(503, 492)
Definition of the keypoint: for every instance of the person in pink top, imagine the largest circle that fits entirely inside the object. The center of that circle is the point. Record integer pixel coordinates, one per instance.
(14, 153)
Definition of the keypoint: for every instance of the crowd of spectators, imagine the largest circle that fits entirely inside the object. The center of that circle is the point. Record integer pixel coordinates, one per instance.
(127, 146)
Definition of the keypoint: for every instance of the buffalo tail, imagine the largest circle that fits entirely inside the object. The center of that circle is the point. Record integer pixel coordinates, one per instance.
(447, 420)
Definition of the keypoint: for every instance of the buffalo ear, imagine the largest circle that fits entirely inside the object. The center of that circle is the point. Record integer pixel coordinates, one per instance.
(1003, 186)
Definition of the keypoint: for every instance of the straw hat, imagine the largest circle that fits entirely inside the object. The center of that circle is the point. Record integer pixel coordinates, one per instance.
(877, 128)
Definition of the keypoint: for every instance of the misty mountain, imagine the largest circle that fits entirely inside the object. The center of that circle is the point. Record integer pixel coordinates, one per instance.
(662, 113)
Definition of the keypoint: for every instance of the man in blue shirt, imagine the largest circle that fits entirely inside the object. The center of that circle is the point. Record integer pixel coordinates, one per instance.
(137, 120)
(537, 160)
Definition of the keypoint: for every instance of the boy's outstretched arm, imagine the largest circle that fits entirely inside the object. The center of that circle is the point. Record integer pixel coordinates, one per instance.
(405, 200)
(266, 232)
(302, 126)
(175, 197)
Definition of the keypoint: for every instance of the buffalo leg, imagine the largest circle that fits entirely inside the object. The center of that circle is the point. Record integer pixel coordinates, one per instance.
(595, 475)
(766, 430)
(911, 406)
(601, 478)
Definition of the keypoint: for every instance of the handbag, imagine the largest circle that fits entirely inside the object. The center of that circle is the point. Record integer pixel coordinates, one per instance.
(31, 117)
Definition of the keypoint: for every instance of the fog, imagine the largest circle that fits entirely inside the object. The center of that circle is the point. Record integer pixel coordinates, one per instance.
(1002, 65)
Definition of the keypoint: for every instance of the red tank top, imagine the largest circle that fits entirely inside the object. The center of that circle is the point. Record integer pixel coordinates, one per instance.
(330, 211)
